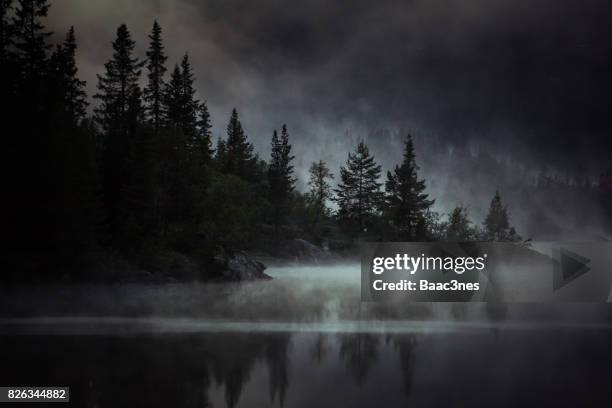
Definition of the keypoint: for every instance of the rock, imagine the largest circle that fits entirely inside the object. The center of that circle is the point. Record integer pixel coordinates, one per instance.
(303, 251)
(238, 266)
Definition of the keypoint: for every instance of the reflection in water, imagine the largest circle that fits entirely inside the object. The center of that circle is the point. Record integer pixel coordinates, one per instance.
(315, 369)
(301, 340)
(405, 345)
(359, 351)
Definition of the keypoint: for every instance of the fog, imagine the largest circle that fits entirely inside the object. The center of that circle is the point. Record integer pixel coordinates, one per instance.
(495, 92)
(299, 298)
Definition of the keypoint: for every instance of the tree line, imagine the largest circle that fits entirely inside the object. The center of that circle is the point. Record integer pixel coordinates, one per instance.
(143, 172)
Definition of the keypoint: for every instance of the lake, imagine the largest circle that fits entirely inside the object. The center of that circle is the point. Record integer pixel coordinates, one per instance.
(303, 339)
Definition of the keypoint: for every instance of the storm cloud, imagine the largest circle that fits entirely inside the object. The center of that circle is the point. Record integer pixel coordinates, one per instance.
(526, 81)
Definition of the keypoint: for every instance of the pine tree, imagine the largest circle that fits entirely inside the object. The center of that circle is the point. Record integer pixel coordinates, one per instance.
(358, 194)
(497, 224)
(118, 116)
(70, 88)
(181, 106)
(30, 39)
(320, 190)
(406, 203)
(238, 158)
(203, 144)
(280, 179)
(140, 218)
(459, 226)
(27, 116)
(191, 105)
(156, 68)
(118, 84)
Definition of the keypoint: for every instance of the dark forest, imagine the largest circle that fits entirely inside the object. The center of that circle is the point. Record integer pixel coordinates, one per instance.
(137, 181)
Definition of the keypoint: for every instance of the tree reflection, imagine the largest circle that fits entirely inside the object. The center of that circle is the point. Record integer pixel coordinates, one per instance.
(405, 344)
(360, 352)
(319, 348)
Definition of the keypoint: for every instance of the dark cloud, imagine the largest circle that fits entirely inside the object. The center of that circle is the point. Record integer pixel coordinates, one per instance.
(528, 80)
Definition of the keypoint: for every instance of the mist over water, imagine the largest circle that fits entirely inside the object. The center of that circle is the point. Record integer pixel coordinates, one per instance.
(310, 298)
(302, 339)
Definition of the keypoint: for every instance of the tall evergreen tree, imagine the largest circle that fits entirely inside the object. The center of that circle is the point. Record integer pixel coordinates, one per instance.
(30, 39)
(202, 146)
(25, 96)
(118, 115)
(280, 176)
(118, 84)
(358, 194)
(190, 105)
(156, 69)
(69, 86)
(188, 140)
(236, 156)
(497, 224)
(320, 190)
(181, 106)
(140, 217)
(173, 97)
(406, 202)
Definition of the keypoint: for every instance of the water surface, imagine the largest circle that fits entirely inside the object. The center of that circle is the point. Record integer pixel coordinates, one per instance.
(301, 340)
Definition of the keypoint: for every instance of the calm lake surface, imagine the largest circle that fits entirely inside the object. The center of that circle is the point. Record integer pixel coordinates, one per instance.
(301, 340)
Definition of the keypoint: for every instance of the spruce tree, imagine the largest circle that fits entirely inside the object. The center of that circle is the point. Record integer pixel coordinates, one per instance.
(406, 202)
(156, 68)
(28, 114)
(358, 194)
(140, 218)
(69, 86)
(238, 157)
(118, 117)
(30, 40)
(118, 84)
(173, 98)
(320, 190)
(497, 224)
(181, 106)
(203, 144)
(280, 179)
(191, 105)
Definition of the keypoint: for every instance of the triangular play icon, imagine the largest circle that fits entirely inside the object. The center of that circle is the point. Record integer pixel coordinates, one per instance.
(568, 266)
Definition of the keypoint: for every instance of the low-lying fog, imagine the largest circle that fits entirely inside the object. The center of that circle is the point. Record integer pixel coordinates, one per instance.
(299, 298)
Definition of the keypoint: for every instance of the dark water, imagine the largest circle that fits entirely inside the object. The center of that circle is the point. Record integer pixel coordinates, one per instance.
(319, 359)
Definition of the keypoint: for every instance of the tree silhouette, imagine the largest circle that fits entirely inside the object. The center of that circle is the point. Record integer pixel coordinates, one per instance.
(497, 225)
(320, 190)
(156, 68)
(358, 194)
(118, 115)
(236, 156)
(406, 202)
(280, 176)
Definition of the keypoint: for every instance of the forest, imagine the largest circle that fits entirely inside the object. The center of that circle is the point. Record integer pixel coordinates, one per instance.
(134, 175)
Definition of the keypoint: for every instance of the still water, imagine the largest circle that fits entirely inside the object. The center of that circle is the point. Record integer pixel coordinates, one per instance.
(301, 340)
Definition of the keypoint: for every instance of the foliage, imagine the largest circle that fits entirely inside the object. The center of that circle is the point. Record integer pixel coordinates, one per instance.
(358, 194)
(406, 203)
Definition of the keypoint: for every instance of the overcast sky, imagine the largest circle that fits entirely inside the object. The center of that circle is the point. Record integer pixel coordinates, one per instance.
(529, 80)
